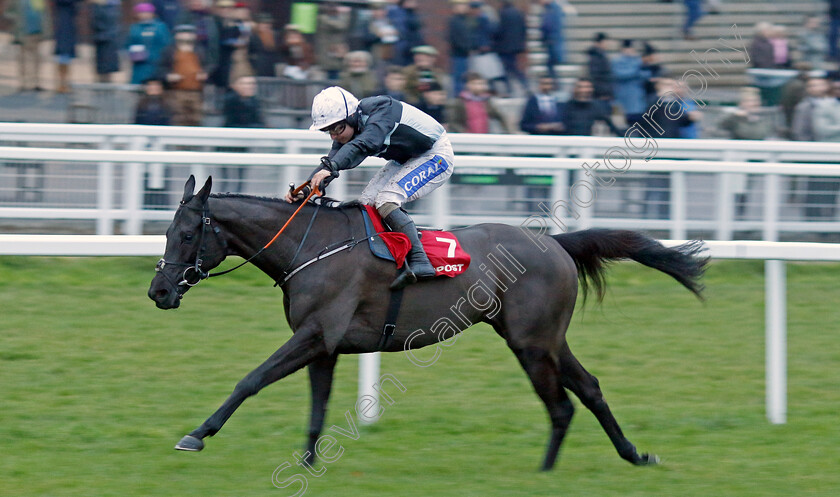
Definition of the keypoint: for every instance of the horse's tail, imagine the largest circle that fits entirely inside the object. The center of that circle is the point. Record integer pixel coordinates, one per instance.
(593, 249)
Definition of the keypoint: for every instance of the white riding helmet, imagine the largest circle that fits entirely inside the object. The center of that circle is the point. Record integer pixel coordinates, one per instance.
(332, 105)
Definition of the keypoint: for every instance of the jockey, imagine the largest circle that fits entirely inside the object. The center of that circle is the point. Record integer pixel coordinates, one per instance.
(417, 148)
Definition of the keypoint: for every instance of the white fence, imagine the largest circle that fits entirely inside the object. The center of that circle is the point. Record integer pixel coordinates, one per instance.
(774, 253)
(109, 173)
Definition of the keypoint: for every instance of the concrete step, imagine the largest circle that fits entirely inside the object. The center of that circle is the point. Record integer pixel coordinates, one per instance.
(600, 9)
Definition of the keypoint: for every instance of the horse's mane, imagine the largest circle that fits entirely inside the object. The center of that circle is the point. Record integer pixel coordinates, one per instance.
(326, 202)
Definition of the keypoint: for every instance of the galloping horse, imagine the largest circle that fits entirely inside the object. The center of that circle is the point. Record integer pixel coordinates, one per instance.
(337, 305)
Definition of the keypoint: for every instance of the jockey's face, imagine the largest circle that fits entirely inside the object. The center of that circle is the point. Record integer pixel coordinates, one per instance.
(342, 132)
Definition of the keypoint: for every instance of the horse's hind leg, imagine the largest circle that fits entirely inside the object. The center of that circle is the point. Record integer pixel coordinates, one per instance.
(586, 387)
(320, 382)
(543, 372)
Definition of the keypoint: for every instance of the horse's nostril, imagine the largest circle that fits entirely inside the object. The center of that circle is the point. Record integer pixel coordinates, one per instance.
(161, 294)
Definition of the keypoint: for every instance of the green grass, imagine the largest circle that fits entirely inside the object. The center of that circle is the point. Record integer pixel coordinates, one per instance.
(96, 386)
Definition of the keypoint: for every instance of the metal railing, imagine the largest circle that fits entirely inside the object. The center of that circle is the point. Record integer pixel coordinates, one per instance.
(134, 175)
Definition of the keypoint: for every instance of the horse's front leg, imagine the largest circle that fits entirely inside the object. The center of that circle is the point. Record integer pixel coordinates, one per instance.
(320, 381)
(304, 347)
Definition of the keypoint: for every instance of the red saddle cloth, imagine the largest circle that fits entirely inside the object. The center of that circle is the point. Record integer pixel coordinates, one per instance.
(442, 247)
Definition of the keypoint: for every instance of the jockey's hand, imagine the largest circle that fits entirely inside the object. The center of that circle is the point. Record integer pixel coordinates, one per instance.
(290, 199)
(319, 177)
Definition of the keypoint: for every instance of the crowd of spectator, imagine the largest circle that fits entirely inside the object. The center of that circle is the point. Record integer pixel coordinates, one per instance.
(183, 51)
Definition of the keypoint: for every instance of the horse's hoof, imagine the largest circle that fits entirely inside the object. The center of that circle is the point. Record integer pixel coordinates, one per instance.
(190, 443)
(648, 460)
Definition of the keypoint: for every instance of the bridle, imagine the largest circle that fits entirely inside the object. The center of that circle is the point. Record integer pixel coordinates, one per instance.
(187, 278)
(190, 279)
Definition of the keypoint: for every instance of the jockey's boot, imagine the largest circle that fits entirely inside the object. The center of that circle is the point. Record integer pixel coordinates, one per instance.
(417, 263)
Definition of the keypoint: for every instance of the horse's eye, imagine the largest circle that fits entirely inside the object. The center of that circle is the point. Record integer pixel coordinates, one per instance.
(188, 237)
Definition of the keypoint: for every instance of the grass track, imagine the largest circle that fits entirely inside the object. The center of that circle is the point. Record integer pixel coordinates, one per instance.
(97, 385)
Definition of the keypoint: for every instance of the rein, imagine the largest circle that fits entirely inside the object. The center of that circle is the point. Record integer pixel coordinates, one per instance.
(200, 274)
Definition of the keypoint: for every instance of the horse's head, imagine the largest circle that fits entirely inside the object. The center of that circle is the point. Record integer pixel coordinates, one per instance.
(193, 247)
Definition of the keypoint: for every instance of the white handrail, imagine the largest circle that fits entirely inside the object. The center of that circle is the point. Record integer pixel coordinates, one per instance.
(463, 161)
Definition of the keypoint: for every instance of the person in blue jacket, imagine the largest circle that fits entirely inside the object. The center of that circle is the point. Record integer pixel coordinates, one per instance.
(147, 39)
(629, 78)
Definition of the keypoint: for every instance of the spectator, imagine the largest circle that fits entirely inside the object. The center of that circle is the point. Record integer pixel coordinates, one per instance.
(460, 43)
(761, 49)
(582, 111)
(669, 114)
(473, 111)
(379, 36)
(689, 107)
(511, 35)
(652, 70)
(152, 109)
(394, 83)
(781, 53)
(358, 77)
(433, 103)
(407, 24)
(182, 68)
(543, 114)
(745, 122)
(208, 43)
(32, 25)
(65, 40)
(266, 56)
(106, 16)
(551, 30)
(600, 72)
(802, 128)
(693, 13)
(664, 119)
(296, 53)
(422, 73)
(826, 118)
(147, 38)
(241, 110)
(822, 192)
(628, 82)
(812, 44)
(833, 29)
(331, 38)
(168, 11)
(792, 93)
(246, 46)
(482, 60)
(229, 40)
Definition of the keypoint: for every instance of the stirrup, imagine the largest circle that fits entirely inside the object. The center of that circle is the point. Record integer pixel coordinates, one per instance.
(405, 278)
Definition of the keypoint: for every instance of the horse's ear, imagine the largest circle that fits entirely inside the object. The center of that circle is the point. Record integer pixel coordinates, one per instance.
(204, 193)
(189, 189)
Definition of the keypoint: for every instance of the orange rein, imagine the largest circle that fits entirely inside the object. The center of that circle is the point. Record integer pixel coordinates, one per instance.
(295, 192)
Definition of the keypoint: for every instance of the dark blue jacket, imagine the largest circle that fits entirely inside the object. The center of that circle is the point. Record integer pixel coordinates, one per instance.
(511, 32)
(460, 41)
(580, 115)
(386, 128)
(65, 27)
(407, 24)
(532, 116)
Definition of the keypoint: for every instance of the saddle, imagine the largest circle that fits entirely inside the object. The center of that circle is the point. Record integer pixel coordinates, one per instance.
(442, 247)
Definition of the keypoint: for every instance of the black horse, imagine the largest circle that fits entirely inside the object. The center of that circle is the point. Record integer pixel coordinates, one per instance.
(524, 286)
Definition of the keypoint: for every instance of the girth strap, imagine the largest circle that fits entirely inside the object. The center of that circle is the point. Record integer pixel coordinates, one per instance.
(394, 304)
